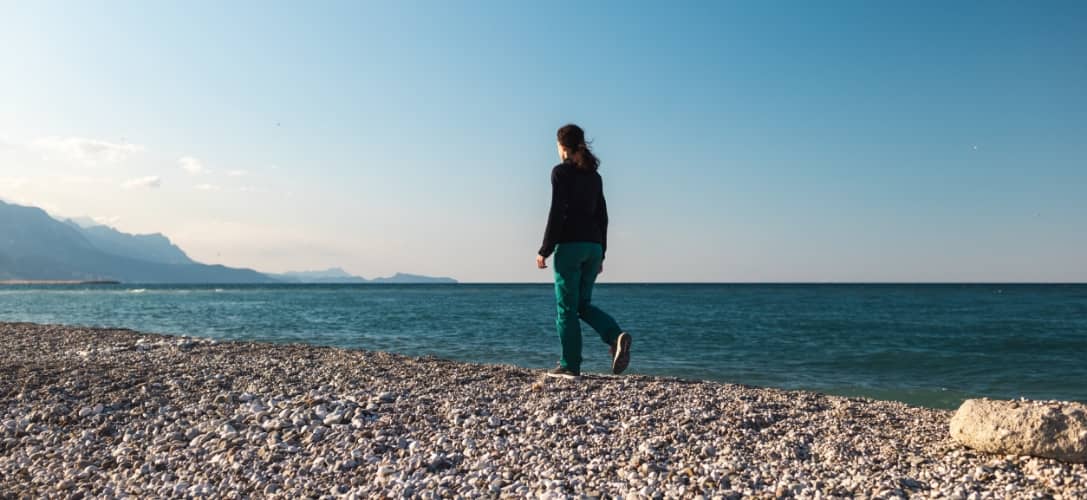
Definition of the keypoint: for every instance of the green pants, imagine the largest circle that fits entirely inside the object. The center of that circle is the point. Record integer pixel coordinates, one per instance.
(576, 266)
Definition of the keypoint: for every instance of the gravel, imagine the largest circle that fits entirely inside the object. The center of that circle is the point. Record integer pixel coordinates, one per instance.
(108, 412)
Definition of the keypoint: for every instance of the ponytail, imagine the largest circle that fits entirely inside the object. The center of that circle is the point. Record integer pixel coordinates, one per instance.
(572, 138)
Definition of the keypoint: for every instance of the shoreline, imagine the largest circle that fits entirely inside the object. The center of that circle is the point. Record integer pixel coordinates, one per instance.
(109, 411)
(59, 282)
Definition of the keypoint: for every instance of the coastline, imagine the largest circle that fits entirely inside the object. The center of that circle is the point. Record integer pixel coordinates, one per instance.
(106, 411)
(59, 282)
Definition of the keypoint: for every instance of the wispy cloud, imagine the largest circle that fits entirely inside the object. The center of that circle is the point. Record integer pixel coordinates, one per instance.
(229, 189)
(28, 202)
(86, 151)
(83, 179)
(150, 182)
(107, 221)
(13, 183)
(237, 173)
(192, 165)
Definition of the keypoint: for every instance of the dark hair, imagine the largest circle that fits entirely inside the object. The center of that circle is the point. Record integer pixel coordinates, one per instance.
(572, 138)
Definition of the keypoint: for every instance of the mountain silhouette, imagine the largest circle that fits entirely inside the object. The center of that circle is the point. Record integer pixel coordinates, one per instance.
(35, 246)
(150, 247)
(338, 275)
(412, 279)
(331, 275)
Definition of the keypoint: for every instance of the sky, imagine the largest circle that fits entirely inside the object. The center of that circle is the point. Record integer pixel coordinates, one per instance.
(740, 141)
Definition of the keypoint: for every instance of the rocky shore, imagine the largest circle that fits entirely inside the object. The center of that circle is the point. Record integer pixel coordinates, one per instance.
(120, 413)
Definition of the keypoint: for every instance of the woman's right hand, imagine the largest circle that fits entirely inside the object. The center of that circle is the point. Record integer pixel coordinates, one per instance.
(541, 262)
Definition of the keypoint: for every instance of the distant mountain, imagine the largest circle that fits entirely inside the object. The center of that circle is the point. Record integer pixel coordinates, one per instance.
(34, 246)
(338, 275)
(332, 275)
(150, 247)
(80, 221)
(412, 279)
(37, 247)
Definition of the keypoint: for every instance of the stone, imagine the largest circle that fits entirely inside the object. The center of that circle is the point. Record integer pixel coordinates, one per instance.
(347, 465)
(168, 419)
(272, 425)
(333, 418)
(1056, 430)
(910, 483)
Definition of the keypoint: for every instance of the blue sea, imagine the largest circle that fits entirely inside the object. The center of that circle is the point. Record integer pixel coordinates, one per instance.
(928, 345)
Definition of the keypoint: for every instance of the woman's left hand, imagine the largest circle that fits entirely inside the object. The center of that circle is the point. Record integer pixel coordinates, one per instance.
(541, 262)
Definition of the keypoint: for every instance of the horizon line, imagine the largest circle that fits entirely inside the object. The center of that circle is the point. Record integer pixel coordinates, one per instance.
(110, 282)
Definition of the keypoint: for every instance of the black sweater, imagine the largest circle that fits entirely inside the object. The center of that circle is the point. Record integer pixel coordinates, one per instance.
(578, 210)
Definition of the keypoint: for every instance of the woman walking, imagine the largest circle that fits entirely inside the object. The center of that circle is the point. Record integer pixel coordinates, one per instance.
(577, 234)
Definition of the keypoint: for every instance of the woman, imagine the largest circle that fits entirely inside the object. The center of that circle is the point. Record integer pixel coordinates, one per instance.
(577, 233)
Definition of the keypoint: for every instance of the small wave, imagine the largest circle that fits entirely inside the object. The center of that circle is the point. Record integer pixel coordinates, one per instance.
(137, 290)
(219, 290)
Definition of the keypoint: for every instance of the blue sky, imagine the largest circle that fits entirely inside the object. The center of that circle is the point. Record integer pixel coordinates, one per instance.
(755, 141)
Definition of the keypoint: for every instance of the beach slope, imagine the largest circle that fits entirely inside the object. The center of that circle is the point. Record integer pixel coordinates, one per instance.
(111, 412)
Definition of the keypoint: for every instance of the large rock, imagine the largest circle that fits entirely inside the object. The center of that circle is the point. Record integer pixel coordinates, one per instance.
(1050, 429)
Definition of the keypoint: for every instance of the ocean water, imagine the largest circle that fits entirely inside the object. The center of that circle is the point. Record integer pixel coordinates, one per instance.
(929, 345)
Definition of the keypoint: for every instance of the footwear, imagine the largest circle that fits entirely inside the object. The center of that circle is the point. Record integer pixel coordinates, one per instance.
(561, 372)
(620, 353)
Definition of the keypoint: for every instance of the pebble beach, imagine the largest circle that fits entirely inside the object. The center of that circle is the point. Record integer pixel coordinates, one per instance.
(119, 413)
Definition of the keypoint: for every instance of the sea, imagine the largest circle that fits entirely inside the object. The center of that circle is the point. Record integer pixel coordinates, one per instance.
(930, 345)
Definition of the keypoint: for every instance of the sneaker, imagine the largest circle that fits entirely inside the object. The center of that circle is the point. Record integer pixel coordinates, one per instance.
(620, 353)
(561, 372)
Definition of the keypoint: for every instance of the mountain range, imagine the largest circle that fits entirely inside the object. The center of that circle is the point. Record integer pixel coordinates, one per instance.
(36, 247)
(337, 275)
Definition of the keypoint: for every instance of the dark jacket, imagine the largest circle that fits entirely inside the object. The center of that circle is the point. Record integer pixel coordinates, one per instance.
(578, 210)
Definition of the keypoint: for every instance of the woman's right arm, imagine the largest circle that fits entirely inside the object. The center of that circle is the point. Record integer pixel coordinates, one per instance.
(603, 224)
(556, 216)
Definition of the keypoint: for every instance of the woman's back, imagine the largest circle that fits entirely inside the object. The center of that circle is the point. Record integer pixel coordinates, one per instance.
(578, 209)
(584, 206)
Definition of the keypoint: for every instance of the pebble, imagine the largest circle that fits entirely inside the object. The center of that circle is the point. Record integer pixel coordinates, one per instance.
(333, 418)
(272, 424)
(213, 419)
